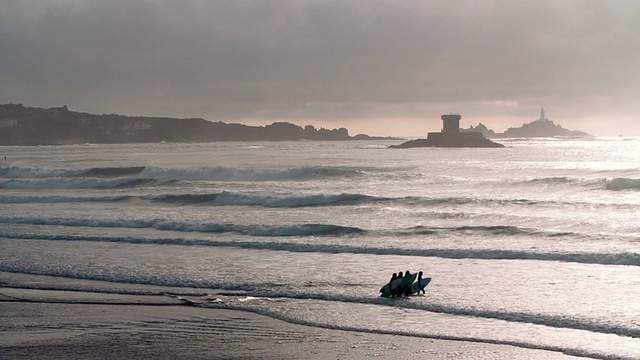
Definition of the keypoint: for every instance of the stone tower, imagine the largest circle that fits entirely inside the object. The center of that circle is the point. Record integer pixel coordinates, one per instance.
(450, 123)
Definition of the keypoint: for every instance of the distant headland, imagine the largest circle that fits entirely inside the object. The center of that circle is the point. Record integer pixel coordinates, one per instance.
(542, 127)
(21, 125)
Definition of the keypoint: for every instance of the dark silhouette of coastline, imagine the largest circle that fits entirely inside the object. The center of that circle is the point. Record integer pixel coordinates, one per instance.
(21, 125)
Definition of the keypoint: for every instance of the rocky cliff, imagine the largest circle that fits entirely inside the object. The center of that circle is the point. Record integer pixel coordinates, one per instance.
(36, 126)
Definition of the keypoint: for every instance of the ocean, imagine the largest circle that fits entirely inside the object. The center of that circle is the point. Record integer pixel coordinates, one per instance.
(535, 245)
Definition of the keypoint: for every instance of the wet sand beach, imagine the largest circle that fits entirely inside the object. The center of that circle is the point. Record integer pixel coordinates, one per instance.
(35, 326)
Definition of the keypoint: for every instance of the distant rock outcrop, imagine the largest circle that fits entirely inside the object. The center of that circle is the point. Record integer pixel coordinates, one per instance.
(35, 126)
(481, 128)
(542, 127)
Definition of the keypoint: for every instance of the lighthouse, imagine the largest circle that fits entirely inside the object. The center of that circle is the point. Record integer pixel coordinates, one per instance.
(542, 115)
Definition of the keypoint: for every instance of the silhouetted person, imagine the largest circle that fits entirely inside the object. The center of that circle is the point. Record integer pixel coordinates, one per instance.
(391, 281)
(421, 288)
(397, 291)
(407, 288)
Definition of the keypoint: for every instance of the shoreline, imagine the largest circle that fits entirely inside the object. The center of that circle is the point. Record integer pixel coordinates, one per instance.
(58, 330)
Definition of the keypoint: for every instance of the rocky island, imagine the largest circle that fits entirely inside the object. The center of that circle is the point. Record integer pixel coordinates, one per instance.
(542, 127)
(453, 136)
(21, 125)
(450, 136)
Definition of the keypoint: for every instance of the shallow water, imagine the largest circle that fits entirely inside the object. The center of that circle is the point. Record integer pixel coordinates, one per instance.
(535, 245)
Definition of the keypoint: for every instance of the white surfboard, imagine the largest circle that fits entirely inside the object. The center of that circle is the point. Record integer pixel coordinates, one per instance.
(415, 287)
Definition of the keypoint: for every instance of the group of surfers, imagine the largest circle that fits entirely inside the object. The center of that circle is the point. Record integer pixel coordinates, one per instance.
(404, 290)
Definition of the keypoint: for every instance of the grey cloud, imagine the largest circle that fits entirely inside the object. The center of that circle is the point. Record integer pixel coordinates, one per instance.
(316, 59)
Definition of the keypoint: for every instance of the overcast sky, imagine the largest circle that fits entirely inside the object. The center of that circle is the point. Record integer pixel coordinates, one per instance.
(375, 67)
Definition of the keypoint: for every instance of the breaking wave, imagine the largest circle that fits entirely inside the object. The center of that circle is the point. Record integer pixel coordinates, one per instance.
(222, 173)
(623, 184)
(52, 199)
(101, 177)
(223, 198)
(226, 198)
(214, 199)
(553, 180)
(18, 172)
(602, 258)
(229, 198)
(79, 183)
(112, 171)
(310, 229)
(254, 230)
(18, 177)
(599, 183)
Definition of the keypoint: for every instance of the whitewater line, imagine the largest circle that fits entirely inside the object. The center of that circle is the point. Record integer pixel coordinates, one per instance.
(622, 258)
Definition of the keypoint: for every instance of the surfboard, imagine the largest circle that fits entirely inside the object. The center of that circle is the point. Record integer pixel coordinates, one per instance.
(407, 280)
(385, 289)
(415, 287)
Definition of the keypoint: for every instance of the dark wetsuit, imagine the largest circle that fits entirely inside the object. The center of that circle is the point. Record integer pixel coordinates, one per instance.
(396, 291)
(419, 284)
(407, 289)
(393, 278)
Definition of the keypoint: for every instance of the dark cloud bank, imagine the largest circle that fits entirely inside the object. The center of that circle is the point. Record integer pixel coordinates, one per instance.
(381, 67)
